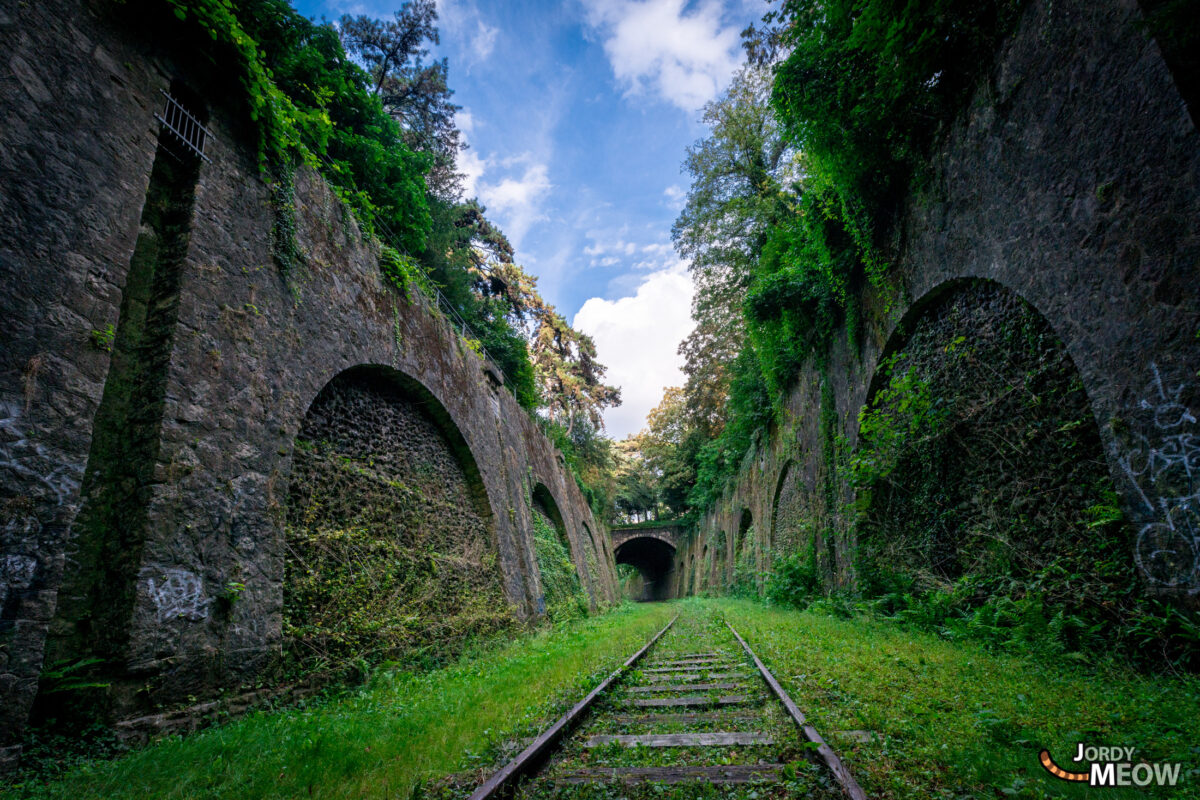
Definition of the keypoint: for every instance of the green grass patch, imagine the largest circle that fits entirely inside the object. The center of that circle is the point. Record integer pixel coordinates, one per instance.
(953, 720)
(402, 729)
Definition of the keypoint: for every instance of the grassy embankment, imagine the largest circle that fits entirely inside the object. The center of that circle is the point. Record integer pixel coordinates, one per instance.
(380, 741)
(948, 719)
(953, 720)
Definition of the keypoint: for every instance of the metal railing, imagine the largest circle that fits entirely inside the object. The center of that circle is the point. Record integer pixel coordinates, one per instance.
(180, 122)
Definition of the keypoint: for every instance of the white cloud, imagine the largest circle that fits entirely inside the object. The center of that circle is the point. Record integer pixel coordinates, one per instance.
(676, 196)
(483, 41)
(516, 201)
(462, 20)
(686, 56)
(472, 168)
(637, 337)
(604, 247)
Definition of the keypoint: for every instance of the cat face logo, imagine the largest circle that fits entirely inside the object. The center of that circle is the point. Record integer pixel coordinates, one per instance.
(1113, 766)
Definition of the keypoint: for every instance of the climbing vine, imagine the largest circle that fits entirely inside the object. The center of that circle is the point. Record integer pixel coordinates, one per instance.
(565, 598)
(387, 556)
(308, 104)
(985, 507)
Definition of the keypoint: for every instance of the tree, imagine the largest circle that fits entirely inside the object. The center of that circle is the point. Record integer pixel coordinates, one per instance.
(415, 93)
(636, 495)
(669, 445)
(741, 174)
(569, 374)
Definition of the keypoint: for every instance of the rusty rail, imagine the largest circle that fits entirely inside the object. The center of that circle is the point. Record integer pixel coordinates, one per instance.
(529, 758)
(824, 751)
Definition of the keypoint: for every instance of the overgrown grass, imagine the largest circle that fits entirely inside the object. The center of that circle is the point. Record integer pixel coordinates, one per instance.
(952, 720)
(383, 740)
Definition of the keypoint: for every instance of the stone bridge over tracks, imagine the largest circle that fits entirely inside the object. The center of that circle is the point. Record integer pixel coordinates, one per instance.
(652, 549)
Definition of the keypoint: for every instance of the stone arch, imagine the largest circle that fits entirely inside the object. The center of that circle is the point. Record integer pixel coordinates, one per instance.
(984, 388)
(742, 554)
(543, 500)
(718, 568)
(592, 550)
(387, 521)
(654, 558)
(938, 295)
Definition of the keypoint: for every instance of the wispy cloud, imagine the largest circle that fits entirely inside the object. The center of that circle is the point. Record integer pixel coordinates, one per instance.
(685, 56)
(516, 200)
(462, 20)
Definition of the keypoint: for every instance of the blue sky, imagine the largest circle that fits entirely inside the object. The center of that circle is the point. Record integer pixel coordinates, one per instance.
(577, 115)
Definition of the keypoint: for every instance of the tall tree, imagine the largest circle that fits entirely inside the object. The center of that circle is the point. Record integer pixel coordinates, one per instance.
(669, 445)
(636, 496)
(570, 376)
(740, 179)
(414, 92)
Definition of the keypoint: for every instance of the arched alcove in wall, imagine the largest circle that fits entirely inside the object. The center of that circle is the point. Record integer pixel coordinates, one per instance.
(743, 569)
(979, 467)
(562, 586)
(785, 528)
(388, 532)
(592, 559)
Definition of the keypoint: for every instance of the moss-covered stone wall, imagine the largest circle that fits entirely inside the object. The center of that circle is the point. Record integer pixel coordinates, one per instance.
(1072, 180)
(389, 553)
(249, 351)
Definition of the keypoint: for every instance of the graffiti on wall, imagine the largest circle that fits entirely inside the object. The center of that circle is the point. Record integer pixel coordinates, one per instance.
(178, 594)
(1162, 463)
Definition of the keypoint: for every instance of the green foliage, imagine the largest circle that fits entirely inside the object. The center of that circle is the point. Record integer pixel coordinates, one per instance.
(565, 598)
(284, 245)
(70, 676)
(374, 136)
(985, 507)
(864, 93)
(740, 174)
(865, 90)
(750, 411)
(308, 103)
(403, 729)
(903, 415)
(103, 340)
(509, 350)
(793, 580)
(350, 138)
(386, 558)
(745, 567)
(589, 456)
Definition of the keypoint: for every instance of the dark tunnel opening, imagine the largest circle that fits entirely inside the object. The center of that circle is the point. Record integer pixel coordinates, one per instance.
(653, 559)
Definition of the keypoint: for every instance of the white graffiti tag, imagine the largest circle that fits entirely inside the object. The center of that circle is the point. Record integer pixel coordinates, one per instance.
(178, 594)
(1163, 468)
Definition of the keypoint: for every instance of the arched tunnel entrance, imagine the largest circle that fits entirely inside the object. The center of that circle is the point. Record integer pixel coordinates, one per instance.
(654, 559)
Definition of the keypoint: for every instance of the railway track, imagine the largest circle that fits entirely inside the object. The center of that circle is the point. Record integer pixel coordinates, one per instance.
(694, 713)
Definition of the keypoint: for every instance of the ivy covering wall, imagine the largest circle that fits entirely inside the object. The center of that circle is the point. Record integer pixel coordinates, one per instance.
(389, 555)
